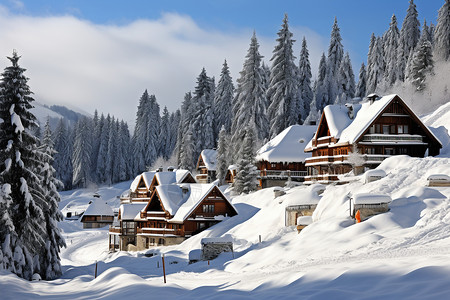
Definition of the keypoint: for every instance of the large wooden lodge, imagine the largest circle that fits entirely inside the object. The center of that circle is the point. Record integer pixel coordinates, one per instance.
(373, 130)
(166, 213)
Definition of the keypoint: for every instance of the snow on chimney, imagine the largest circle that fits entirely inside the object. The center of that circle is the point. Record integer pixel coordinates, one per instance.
(372, 97)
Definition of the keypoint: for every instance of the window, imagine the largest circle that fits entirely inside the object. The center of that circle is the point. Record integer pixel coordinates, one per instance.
(389, 151)
(201, 225)
(208, 208)
(372, 129)
(400, 129)
(385, 129)
(405, 128)
(128, 227)
(392, 130)
(161, 241)
(377, 128)
(369, 151)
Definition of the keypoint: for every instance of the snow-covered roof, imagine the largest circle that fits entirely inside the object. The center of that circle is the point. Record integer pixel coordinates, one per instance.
(308, 196)
(171, 177)
(209, 157)
(146, 176)
(288, 146)
(232, 167)
(365, 116)
(98, 207)
(367, 198)
(375, 173)
(217, 240)
(337, 119)
(439, 177)
(181, 204)
(131, 211)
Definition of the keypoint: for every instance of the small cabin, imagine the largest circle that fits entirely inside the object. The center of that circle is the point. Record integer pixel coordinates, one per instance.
(122, 236)
(206, 166)
(231, 174)
(369, 204)
(283, 158)
(438, 180)
(98, 214)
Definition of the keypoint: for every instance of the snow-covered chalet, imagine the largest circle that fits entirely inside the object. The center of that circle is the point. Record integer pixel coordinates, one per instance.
(206, 166)
(360, 136)
(283, 157)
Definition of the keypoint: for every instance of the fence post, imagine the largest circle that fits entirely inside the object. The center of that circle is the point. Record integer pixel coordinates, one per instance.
(95, 275)
(164, 268)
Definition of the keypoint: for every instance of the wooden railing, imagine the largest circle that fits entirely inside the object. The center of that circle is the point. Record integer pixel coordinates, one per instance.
(114, 229)
(282, 174)
(160, 231)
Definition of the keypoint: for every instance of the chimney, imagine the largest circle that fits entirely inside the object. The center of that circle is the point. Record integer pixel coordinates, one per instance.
(372, 97)
(170, 168)
(350, 112)
(185, 189)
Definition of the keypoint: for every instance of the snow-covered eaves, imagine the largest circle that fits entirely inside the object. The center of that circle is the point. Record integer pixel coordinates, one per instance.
(367, 198)
(176, 176)
(131, 211)
(288, 146)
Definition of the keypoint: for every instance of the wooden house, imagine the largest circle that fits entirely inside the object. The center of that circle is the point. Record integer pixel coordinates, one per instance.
(231, 174)
(122, 236)
(173, 213)
(360, 136)
(283, 157)
(98, 214)
(206, 166)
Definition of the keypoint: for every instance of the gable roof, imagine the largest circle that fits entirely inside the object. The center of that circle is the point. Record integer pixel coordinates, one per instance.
(287, 146)
(349, 131)
(180, 205)
(209, 157)
(131, 211)
(146, 176)
(166, 177)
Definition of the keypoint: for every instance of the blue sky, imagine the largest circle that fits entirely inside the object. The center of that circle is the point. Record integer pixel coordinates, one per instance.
(174, 39)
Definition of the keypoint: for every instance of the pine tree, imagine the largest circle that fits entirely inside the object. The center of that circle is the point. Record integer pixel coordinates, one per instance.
(111, 154)
(321, 86)
(409, 36)
(174, 123)
(250, 102)
(362, 81)
(50, 265)
(375, 67)
(22, 241)
(140, 134)
(304, 74)
(391, 39)
(334, 60)
(186, 116)
(421, 64)
(282, 93)
(164, 135)
(442, 33)
(82, 150)
(346, 79)
(62, 159)
(246, 181)
(124, 170)
(222, 155)
(223, 101)
(101, 175)
(152, 141)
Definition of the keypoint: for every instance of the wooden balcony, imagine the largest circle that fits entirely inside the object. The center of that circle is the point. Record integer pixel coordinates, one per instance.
(397, 138)
(281, 174)
(160, 231)
(114, 229)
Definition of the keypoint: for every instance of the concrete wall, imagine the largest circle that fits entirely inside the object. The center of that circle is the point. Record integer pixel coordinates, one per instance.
(367, 211)
(141, 241)
(95, 224)
(292, 214)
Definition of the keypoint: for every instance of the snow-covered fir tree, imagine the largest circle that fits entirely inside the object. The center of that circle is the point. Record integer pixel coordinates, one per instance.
(375, 64)
(442, 33)
(123, 168)
(334, 60)
(152, 136)
(140, 133)
(187, 153)
(265, 75)
(282, 93)
(186, 112)
(391, 39)
(321, 86)
(111, 154)
(421, 64)
(164, 135)
(222, 155)
(245, 181)
(174, 123)
(250, 101)
(62, 159)
(24, 235)
(346, 79)
(82, 150)
(408, 38)
(103, 138)
(362, 81)
(50, 266)
(304, 75)
(223, 101)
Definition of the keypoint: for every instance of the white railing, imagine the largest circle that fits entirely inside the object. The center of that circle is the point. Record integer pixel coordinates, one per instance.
(392, 138)
(282, 173)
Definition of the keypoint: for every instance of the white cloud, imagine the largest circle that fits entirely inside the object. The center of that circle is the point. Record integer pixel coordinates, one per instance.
(77, 63)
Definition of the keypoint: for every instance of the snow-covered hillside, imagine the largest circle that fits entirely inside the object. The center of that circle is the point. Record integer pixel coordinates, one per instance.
(402, 254)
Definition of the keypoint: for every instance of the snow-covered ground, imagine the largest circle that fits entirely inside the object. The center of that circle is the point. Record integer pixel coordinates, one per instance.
(402, 254)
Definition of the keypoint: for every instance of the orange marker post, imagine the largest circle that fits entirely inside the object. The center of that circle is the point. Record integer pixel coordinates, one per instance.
(358, 217)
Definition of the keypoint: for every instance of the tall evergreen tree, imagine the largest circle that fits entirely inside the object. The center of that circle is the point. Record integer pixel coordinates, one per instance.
(442, 33)
(421, 64)
(101, 174)
(376, 66)
(282, 93)
(63, 157)
(50, 265)
(223, 101)
(246, 181)
(140, 134)
(186, 116)
(321, 86)
(362, 81)
(222, 155)
(82, 150)
(409, 36)
(391, 39)
(334, 60)
(153, 130)
(304, 74)
(174, 123)
(23, 237)
(164, 135)
(250, 101)
(346, 79)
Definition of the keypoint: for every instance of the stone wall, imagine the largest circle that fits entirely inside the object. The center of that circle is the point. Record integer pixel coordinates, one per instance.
(212, 250)
(292, 212)
(368, 210)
